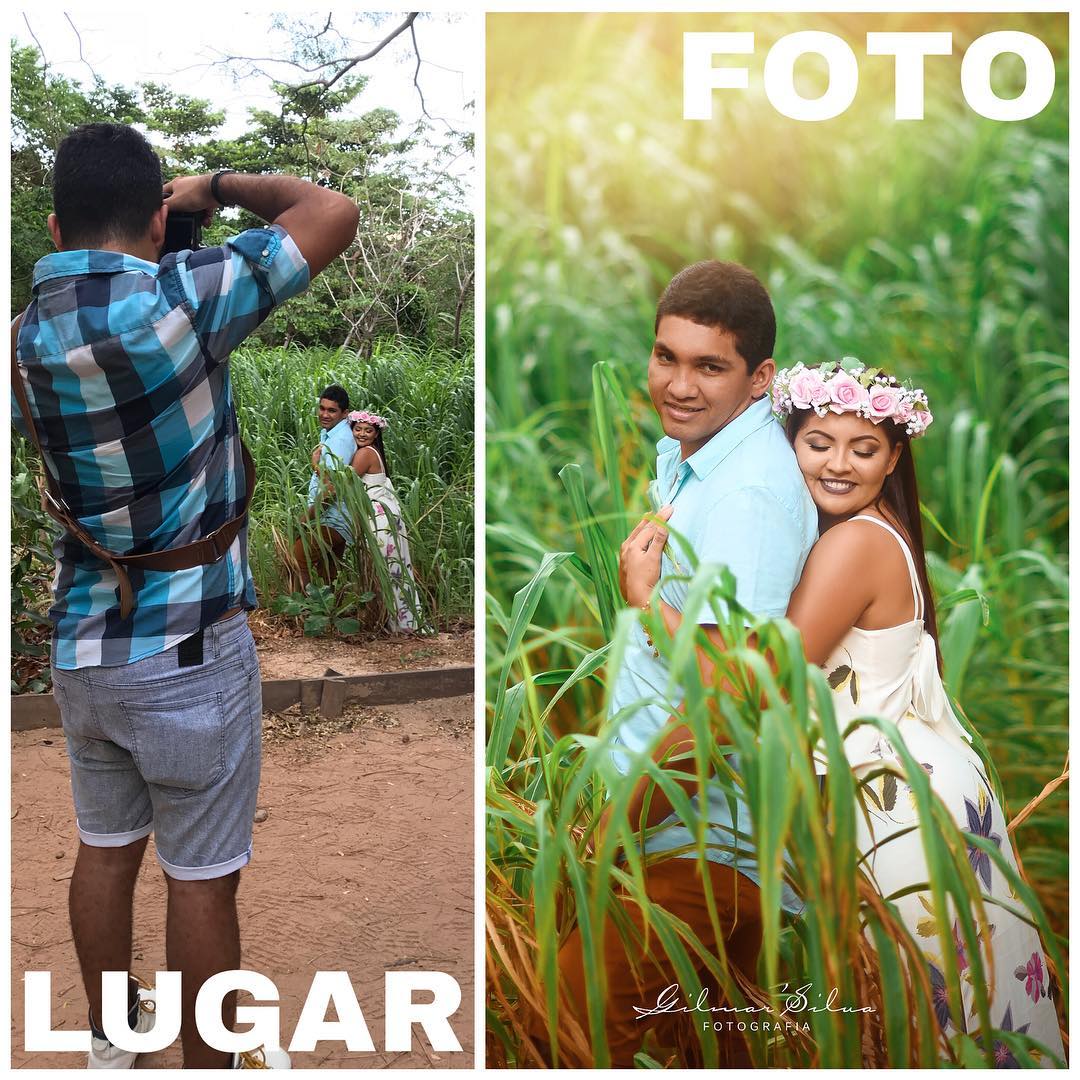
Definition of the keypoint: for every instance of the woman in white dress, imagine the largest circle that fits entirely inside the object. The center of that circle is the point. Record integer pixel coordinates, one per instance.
(866, 615)
(369, 463)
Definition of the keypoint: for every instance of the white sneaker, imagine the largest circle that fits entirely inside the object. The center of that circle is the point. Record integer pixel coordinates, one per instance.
(103, 1055)
(262, 1057)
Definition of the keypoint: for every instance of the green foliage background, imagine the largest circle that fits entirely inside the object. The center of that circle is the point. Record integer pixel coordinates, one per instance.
(392, 320)
(935, 248)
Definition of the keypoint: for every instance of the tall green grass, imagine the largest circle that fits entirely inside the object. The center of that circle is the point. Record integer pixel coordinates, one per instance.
(938, 249)
(427, 397)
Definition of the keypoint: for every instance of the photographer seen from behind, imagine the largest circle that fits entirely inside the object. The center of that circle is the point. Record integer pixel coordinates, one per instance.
(123, 367)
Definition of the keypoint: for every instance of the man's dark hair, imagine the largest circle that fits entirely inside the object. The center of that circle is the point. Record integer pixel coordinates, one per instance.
(106, 185)
(337, 394)
(726, 296)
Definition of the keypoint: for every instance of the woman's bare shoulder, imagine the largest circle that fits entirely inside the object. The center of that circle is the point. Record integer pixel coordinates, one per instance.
(853, 543)
(366, 460)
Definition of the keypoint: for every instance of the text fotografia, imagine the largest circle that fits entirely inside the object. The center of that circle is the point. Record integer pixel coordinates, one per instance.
(802, 1000)
(909, 51)
(327, 988)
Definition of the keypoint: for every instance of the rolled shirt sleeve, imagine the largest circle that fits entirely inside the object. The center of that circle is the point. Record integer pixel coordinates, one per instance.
(229, 290)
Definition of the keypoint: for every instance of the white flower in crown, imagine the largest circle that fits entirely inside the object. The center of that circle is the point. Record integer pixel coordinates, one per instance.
(850, 386)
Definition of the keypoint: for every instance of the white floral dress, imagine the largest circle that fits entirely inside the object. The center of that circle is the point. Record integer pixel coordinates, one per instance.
(893, 673)
(393, 544)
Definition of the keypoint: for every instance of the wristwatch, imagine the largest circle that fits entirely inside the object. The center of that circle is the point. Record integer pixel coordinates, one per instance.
(215, 189)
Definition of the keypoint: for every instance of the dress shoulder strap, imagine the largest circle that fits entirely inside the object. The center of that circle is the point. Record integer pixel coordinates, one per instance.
(916, 591)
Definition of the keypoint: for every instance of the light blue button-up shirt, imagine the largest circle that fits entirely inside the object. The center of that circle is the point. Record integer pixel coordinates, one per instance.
(338, 448)
(739, 501)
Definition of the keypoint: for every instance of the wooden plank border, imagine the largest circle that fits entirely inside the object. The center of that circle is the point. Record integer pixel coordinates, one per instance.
(30, 711)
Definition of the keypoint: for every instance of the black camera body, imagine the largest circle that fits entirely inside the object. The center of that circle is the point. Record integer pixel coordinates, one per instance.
(183, 231)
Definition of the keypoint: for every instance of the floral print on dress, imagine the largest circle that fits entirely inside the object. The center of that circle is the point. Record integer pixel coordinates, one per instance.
(979, 823)
(1031, 975)
(882, 673)
(939, 996)
(1003, 1056)
(845, 677)
(404, 615)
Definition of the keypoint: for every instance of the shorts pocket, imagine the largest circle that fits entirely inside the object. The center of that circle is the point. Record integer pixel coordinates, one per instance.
(178, 745)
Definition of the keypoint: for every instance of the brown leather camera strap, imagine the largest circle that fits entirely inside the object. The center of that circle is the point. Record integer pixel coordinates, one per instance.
(199, 553)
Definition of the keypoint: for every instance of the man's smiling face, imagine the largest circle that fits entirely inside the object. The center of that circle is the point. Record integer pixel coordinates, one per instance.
(330, 413)
(698, 380)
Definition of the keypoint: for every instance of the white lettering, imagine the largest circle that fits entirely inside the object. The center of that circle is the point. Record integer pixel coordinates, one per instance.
(402, 1012)
(909, 50)
(114, 1012)
(780, 75)
(313, 1027)
(37, 1008)
(1038, 69)
(264, 1029)
(700, 78)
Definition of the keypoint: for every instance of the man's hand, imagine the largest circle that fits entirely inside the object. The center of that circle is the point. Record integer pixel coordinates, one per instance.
(322, 222)
(191, 194)
(640, 556)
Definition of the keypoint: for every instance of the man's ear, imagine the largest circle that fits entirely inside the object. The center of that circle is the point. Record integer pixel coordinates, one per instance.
(762, 378)
(54, 232)
(156, 232)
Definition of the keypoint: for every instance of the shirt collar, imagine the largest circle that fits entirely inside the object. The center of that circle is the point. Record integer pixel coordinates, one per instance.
(60, 264)
(325, 434)
(703, 461)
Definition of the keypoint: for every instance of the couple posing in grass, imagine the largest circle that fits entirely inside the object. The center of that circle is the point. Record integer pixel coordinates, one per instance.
(817, 517)
(354, 439)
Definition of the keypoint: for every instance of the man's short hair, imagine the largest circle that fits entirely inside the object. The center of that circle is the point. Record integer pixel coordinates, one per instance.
(728, 297)
(106, 185)
(337, 394)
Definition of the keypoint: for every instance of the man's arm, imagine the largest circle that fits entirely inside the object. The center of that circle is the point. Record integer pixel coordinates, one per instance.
(321, 222)
(749, 523)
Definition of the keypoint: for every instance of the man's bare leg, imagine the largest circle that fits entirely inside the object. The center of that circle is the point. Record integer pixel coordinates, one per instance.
(99, 904)
(202, 937)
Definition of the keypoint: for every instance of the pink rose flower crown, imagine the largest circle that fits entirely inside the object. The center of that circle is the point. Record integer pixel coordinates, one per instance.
(362, 416)
(849, 386)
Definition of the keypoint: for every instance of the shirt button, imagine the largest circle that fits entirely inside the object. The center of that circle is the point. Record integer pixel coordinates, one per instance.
(266, 251)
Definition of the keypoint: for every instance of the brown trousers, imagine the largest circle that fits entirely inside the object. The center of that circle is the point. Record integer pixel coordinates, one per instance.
(677, 887)
(323, 557)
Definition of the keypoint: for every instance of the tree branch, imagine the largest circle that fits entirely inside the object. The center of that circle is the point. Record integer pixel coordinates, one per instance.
(416, 74)
(351, 61)
(78, 38)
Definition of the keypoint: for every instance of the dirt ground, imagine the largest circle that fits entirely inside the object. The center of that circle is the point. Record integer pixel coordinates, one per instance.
(285, 654)
(363, 863)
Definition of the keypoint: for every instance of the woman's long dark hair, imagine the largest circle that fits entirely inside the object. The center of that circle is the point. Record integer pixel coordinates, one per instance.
(899, 501)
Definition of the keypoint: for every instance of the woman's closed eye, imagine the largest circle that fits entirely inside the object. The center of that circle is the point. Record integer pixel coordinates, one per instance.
(858, 453)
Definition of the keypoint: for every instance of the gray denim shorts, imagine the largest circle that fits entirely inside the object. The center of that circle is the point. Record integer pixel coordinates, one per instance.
(156, 747)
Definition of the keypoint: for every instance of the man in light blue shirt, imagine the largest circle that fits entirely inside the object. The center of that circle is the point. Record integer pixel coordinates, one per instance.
(730, 482)
(336, 448)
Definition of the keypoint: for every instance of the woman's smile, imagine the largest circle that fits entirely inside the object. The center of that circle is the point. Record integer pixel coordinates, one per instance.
(844, 459)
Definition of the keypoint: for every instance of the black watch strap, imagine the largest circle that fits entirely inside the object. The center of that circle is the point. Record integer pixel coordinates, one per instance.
(215, 187)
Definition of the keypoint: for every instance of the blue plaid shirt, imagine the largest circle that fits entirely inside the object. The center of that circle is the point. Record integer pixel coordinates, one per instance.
(126, 372)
